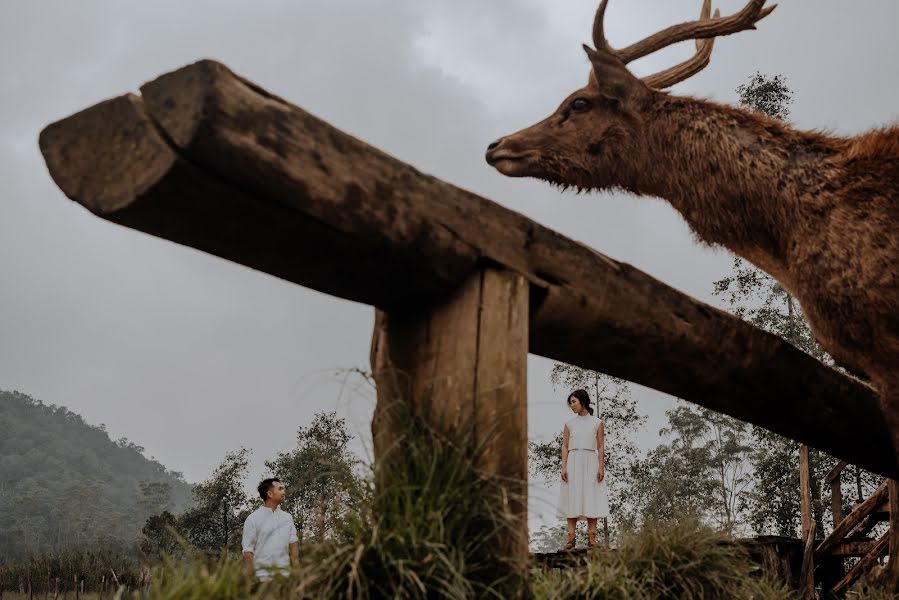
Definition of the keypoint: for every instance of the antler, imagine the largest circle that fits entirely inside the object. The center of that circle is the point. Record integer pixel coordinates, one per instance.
(703, 30)
(688, 68)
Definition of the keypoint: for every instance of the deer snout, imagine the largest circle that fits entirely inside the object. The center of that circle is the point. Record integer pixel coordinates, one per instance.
(492, 148)
(508, 156)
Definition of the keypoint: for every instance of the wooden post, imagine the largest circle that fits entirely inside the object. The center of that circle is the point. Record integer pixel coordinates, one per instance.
(464, 359)
(807, 572)
(807, 577)
(891, 575)
(836, 501)
(836, 491)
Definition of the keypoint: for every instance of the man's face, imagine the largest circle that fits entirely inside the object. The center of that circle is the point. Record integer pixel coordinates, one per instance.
(276, 492)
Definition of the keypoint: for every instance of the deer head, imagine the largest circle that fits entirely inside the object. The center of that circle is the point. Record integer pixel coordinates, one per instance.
(597, 138)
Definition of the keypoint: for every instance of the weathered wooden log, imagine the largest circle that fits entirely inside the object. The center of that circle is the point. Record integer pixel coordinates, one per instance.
(851, 520)
(209, 160)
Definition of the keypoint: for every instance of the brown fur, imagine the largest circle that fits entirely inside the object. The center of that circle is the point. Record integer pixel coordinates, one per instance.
(820, 213)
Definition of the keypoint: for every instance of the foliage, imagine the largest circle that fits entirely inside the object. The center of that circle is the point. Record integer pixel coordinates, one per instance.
(220, 506)
(319, 476)
(163, 535)
(700, 473)
(685, 561)
(768, 95)
(64, 484)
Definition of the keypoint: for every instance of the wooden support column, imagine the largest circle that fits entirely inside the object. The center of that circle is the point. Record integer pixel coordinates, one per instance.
(460, 361)
(807, 575)
(836, 491)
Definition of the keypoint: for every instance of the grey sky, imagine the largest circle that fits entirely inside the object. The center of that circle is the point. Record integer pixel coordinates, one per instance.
(191, 356)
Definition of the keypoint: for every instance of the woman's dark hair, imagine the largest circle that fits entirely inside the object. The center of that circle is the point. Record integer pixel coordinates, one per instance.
(583, 397)
(265, 486)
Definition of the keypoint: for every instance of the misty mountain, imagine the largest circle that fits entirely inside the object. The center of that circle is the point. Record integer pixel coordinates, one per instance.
(65, 484)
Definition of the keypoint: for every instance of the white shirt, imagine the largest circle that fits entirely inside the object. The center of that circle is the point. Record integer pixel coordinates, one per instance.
(582, 432)
(267, 533)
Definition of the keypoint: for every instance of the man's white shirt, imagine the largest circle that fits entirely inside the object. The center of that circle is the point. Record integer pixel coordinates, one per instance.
(267, 533)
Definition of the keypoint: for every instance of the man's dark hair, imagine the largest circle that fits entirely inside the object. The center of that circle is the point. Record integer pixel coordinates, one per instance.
(265, 486)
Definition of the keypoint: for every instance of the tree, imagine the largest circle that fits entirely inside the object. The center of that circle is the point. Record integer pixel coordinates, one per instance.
(767, 95)
(728, 446)
(699, 474)
(162, 535)
(614, 404)
(319, 476)
(220, 506)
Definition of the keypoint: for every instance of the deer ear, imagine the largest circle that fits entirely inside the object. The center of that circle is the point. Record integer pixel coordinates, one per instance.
(611, 76)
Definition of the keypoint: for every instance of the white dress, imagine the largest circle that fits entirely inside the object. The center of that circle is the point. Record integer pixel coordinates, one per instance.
(583, 497)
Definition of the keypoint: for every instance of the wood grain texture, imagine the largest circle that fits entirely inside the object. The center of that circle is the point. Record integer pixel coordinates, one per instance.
(461, 363)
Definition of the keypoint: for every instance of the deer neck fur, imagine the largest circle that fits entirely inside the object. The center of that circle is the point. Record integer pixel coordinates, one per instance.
(738, 178)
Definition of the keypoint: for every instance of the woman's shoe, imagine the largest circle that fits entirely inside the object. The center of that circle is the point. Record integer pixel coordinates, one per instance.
(569, 545)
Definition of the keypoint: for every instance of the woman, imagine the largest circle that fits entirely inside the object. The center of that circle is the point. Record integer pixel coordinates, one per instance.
(583, 493)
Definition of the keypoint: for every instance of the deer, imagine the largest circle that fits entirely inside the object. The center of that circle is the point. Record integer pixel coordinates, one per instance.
(818, 212)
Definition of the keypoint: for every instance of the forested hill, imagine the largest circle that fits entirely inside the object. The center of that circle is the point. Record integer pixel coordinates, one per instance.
(65, 484)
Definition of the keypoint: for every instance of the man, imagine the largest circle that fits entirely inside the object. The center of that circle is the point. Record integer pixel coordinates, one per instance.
(269, 534)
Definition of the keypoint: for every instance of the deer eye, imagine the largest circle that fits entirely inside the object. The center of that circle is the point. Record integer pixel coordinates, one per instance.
(580, 105)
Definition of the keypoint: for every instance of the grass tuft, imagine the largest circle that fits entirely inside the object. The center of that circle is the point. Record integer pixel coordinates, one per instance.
(685, 562)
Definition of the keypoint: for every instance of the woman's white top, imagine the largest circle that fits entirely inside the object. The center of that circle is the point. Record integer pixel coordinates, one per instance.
(582, 432)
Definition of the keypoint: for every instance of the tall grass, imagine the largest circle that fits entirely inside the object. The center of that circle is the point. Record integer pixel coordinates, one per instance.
(429, 530)
(91, 566)
(683, 562)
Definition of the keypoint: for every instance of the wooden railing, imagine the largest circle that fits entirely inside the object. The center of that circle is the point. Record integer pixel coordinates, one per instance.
(850, 535)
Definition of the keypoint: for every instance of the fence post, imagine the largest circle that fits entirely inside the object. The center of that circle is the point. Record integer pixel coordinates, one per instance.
(807, 574)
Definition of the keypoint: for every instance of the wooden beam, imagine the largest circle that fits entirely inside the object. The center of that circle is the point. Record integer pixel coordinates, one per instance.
(461, 364)
(851, 520)
(864, 565)
(207, 159)
(852, 548)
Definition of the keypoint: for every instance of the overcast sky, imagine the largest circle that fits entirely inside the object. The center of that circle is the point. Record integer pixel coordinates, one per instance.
(191, 356)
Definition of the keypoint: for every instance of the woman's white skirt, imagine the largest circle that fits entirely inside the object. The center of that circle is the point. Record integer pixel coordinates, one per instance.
(583, 497)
